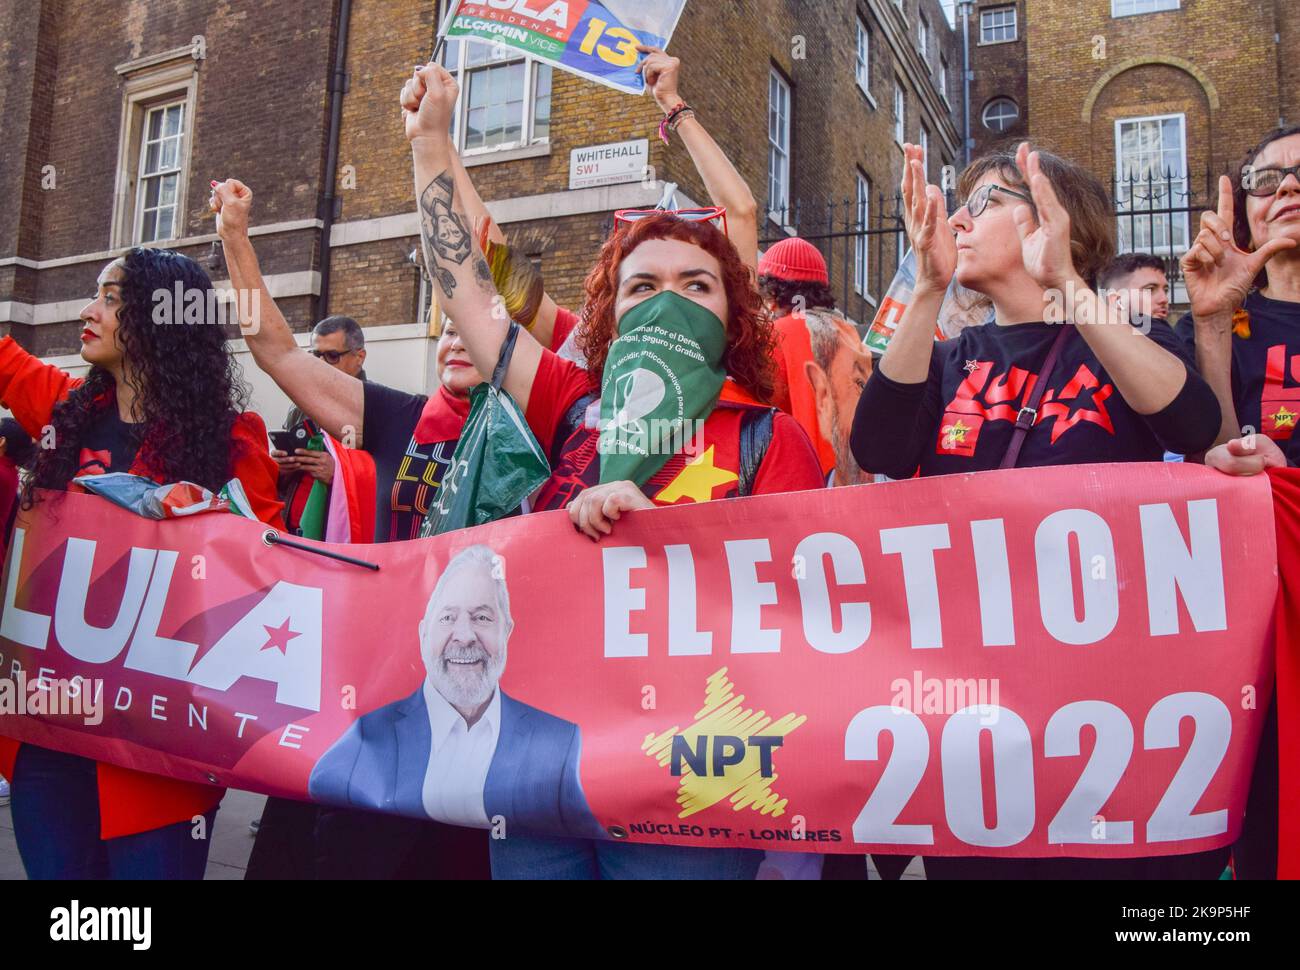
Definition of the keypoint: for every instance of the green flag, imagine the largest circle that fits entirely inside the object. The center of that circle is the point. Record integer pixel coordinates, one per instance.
(312, 523)
(497, 464)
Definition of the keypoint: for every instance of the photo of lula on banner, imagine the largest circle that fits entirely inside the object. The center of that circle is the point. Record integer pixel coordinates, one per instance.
(593, 40)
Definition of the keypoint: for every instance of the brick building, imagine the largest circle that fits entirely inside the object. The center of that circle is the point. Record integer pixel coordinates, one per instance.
(1156, 97)
(999, 88)
(800, 95)
(112, 144)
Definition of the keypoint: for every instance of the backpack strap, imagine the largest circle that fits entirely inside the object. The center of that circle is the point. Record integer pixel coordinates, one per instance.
(1029, 413)
(755, 436)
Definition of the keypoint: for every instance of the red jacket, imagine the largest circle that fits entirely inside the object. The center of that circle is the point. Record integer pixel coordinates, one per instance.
(134, 801)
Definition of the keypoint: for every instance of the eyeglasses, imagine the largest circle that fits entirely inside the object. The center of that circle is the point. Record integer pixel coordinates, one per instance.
(331, 357)
(1262, 182)
(714, 213)
(979, 199)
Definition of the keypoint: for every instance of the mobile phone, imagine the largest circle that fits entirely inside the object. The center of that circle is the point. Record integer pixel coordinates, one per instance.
(287, 441)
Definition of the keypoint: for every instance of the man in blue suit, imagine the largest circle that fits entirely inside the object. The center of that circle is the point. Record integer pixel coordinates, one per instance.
(460, 750)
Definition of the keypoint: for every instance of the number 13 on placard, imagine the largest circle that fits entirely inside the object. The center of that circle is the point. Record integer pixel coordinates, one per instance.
(622, 56)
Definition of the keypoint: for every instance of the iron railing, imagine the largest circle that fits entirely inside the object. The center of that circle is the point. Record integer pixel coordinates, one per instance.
(1155, 211)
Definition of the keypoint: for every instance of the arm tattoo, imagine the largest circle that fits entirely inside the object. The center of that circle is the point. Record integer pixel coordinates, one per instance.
(444, 227)
(447, 239)
(446, 281)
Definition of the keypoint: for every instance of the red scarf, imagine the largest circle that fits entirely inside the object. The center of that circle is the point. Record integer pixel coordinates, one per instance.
(443, 417)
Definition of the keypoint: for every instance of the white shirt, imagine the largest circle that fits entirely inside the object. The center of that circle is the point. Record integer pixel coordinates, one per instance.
(459, 758)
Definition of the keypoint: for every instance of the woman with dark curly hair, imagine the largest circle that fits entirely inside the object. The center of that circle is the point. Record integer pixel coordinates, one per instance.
(677, 347)
(163, 399)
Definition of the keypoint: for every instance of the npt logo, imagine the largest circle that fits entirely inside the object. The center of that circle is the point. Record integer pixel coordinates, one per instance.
(102, 924)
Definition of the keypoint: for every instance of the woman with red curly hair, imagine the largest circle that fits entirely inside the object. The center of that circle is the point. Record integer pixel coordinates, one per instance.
(670, 408)
(654, 277)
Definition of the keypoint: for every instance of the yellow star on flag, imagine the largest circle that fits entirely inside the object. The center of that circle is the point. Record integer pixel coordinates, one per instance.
(1283, 418)
(742, 783)
(697, 480)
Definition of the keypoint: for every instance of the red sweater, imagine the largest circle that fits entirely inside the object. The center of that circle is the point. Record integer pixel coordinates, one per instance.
(131, 802)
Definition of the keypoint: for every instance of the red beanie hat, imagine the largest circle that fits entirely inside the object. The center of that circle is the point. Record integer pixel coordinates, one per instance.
(794, 259)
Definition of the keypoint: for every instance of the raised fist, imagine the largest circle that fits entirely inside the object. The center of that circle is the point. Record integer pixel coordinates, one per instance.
(428, 100)
(232, 201)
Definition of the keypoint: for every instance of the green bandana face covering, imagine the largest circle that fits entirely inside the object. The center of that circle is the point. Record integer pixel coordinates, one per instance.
(663, 374)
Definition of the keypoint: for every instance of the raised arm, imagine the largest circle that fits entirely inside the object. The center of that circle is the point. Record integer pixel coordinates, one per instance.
(1149, 377)
(1218, 276)
(30, 388)
(330, 397)
(724, 184)
(451, 253)
(542, 327)
(907, 358)
(898, 410)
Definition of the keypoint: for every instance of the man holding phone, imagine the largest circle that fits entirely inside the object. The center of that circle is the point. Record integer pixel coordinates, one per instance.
(341, 343)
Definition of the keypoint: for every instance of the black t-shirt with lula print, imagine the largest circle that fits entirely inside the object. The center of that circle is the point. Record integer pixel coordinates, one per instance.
(961, 419)
(109, 444)
(407, 474)
(1265, 369)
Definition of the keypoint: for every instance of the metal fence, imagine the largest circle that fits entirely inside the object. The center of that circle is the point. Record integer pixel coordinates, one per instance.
(1158, 212)
(861, 241)
(1155, 212)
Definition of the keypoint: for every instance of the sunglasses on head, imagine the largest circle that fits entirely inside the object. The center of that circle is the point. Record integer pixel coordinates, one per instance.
(330, 357)
(1263, 182)
(714, 213)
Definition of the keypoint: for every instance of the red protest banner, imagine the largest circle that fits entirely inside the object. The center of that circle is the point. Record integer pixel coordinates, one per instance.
(1055, 661)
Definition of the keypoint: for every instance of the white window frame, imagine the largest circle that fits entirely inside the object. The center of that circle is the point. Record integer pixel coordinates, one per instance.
(1178, 221)
(987, 14)
(943, 79)
(862, 244)
(900, 111)
(925, 149)
(137, 232)
(1118, 7)
(171, 78)
(778, 151)
(997, 100)
(527, 140)
(923, 40)
(862, 60)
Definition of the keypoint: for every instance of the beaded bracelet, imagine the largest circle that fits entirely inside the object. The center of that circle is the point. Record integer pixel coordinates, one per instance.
(666, 125)
(681, 116)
